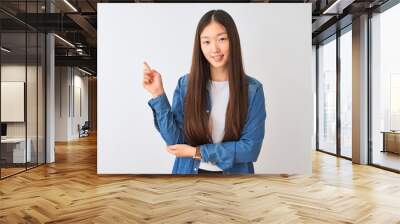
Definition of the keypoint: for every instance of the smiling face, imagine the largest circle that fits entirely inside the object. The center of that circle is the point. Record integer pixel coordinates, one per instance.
(214, 44)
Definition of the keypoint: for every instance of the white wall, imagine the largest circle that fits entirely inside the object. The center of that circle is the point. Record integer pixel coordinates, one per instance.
(61, 103)
(68, 81)
(276, 46)
(80, 84)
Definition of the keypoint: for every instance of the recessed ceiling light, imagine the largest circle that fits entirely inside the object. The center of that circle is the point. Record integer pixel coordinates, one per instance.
(84, 71)
(5, 50)
(70, 5)
(337, 7)
(64, 40)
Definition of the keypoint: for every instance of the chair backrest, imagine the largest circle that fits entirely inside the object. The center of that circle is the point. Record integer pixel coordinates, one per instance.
(86, 125)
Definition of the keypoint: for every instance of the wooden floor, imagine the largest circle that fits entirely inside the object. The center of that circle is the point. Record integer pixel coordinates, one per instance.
(70, 191)
(5, 172)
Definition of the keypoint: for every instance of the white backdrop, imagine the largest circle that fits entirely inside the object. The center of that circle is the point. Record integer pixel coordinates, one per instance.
(276, 46)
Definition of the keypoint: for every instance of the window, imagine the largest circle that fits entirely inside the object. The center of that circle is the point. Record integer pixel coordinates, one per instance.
(327, 96)
(346, 94)
(385, 88)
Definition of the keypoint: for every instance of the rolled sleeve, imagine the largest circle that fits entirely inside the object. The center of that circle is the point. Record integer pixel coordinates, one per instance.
(169, 120)
(159, 103)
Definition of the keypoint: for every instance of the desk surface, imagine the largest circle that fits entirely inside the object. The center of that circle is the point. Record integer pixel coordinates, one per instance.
(391, 132)
(13, 140)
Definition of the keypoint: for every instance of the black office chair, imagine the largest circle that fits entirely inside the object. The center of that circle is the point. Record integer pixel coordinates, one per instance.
(84, 130)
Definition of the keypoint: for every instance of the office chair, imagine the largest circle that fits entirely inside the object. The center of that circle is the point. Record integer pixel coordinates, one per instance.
(84, 130)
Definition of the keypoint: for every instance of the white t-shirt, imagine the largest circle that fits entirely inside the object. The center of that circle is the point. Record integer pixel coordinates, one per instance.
(219, 96)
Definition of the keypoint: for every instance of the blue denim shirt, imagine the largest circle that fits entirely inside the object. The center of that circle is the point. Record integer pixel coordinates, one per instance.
(233, 157)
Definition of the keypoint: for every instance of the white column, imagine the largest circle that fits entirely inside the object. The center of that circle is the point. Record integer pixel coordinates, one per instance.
(360, 90)
(50, 110)
(50, 93)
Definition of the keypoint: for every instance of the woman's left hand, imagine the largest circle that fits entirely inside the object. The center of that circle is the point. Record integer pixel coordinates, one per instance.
(182, 150)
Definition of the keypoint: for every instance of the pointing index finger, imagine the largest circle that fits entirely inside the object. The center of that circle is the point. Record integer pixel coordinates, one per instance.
(146, 66)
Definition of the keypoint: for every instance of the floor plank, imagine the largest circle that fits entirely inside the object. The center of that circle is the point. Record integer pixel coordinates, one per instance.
(70, 191)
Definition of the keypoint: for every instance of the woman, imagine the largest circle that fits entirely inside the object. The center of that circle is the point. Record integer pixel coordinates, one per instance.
(217, 120)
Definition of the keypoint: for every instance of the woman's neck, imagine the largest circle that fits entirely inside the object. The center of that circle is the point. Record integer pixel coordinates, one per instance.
(219, 74)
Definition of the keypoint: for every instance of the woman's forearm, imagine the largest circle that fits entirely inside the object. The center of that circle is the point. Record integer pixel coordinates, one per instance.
(165, 122)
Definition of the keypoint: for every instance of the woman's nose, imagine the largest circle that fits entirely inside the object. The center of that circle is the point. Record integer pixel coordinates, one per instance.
(215, 47)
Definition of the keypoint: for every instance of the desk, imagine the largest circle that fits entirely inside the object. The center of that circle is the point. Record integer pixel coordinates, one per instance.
(391, 141)
(15, 148)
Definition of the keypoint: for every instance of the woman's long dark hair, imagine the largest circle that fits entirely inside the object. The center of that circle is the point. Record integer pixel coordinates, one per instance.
(196, 118)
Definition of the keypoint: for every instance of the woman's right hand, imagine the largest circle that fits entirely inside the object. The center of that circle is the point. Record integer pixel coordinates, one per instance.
(152, 81)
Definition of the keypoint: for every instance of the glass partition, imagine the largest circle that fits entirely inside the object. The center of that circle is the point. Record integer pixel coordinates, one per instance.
(13, 109)
(22, 101)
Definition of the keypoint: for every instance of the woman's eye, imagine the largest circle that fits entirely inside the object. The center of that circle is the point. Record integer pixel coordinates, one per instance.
(206, 42)
(222, 39)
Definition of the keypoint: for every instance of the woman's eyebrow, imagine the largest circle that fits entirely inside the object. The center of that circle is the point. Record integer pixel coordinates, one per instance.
(216, 35)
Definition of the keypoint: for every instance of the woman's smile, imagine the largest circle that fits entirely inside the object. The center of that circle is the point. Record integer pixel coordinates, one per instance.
(218, 58)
